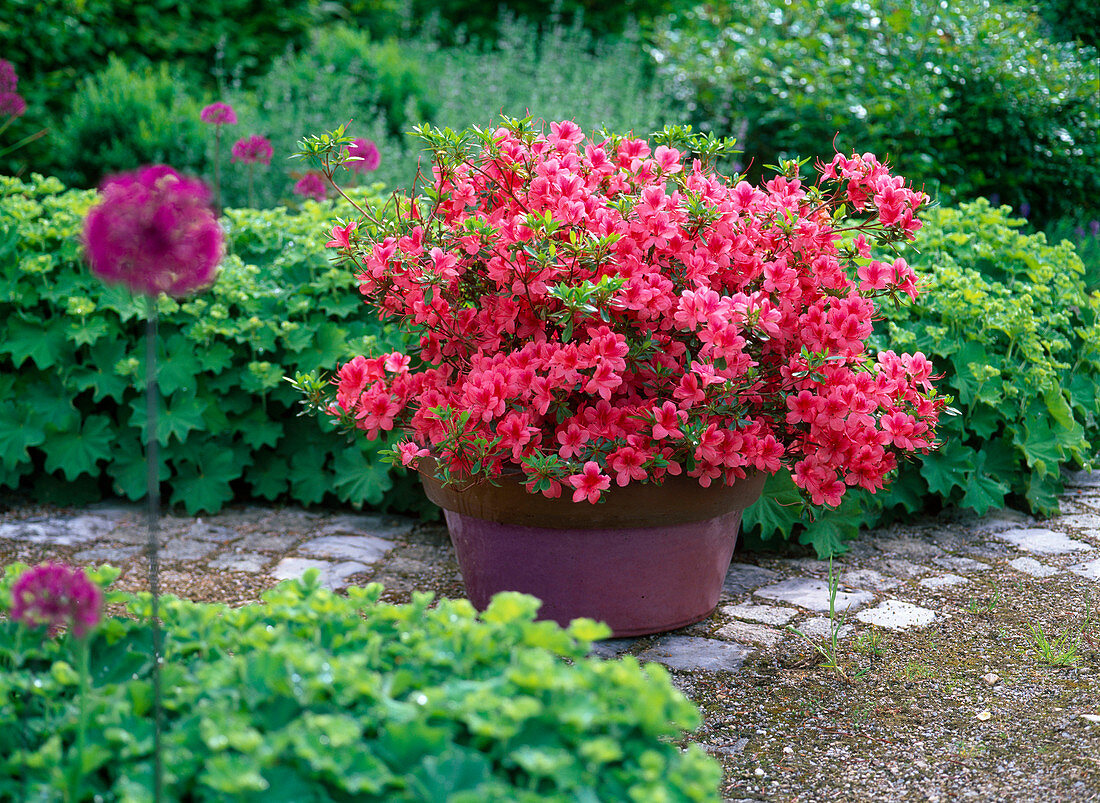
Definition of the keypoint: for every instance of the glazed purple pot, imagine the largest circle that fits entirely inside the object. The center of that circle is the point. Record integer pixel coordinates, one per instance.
(647, 559)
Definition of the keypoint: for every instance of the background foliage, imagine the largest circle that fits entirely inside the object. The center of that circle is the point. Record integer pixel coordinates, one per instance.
(968, 97)
(318, 696)
(72, 410)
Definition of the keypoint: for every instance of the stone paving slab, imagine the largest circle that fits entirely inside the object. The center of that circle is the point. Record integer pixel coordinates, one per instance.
(333, 575)
(813, 595)
(1032, 567)
(362, 548)
(943, 581)
(693, 653)
(1042, 541)
(1091, 570)
(895, 614)
(764, 614)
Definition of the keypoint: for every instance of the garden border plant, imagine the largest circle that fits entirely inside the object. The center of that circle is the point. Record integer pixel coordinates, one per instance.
(72, 422)
(312, 691)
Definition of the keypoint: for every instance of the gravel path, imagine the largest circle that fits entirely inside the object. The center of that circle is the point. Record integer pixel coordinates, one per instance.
(938, 690)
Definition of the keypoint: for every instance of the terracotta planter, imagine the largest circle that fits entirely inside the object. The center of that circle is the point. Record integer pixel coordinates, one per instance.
(645, 560)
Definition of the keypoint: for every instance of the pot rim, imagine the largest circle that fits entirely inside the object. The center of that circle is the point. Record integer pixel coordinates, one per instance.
(678, 499)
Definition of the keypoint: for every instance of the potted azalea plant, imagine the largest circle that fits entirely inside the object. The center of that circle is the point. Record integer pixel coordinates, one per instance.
(617, 344)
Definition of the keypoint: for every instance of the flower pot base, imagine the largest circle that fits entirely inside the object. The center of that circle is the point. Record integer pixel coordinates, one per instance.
(638, 580)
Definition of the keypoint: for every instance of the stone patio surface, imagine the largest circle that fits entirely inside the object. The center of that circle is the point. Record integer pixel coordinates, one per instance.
(951, 598)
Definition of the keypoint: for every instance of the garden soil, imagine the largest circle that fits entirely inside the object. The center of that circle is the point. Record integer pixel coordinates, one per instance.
(967, 665)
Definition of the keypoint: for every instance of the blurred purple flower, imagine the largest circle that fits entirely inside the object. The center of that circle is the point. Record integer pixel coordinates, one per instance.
(252, 150)
(56, 595)
(9, 81)
(311, 185)
(1025, 209)
(368, 156)
(154, 231)
(1079, 232)
(1094, 228)
(995, 199)
(219, 114)
(12, 104)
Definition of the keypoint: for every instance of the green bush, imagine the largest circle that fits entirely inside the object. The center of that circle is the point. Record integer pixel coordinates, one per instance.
(72, 411)
(1007, 318)
(120, 119)
(56, 44)
(968, 97)
(314, 696)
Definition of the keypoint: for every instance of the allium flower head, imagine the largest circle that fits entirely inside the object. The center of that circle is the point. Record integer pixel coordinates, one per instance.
(311, 185)
(56, 595)
(12, 104)
(219, 114)
(9, 81)
(154, 231)
(252, 150)
(367, 151)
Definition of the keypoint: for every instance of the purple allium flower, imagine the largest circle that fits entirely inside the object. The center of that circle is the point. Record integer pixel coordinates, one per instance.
(12, 104)
(367, 153)
(1025, 209)
(995, 199)
(252, 150)
(311, 185)
(55, 595)
(9, 81)
(154, 231)
(1094, 228)
(219, 114)
(1079, 232)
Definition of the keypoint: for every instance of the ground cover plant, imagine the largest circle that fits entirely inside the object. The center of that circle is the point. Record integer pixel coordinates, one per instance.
(73, 419)
(313, 693)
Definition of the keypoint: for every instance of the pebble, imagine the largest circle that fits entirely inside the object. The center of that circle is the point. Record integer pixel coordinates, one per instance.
(991, 679)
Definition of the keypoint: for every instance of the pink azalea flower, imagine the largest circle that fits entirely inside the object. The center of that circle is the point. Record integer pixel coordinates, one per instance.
(56, 596)
(219, 114)
(341, 235)
(589, 483)
(154, 231)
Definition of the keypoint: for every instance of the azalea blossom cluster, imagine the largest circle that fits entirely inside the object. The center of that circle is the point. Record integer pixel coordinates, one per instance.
(595, 312)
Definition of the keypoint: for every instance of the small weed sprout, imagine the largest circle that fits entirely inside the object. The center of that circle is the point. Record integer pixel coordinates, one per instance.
(985, 606)
(829, 647)
(1060, 651)
(870, 643)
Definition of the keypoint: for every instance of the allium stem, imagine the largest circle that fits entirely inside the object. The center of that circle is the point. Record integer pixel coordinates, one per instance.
(76, 769)
(217, 169)
(152, 468)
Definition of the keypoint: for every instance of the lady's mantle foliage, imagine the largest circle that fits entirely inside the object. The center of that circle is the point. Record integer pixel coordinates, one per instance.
(313, 695)
(155, 232)
(605, 311)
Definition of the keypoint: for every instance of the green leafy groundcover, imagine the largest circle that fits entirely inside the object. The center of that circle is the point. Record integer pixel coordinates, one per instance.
(72, 409)
(312, 696)
(1007, 319)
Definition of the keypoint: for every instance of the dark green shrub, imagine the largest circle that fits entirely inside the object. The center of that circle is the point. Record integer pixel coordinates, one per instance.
(1007, 319)
(968, 97)
(120, 119)
(314, 696)
(72, 411)
(56, 44)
